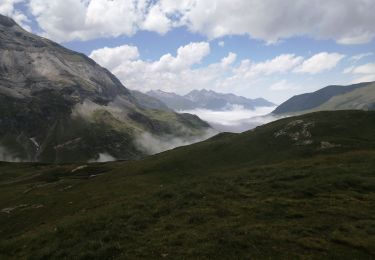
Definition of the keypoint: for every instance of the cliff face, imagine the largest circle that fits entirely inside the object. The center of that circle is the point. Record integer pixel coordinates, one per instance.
(59, 105)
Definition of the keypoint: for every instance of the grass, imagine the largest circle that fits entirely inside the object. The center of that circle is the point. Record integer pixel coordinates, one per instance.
(247, 196)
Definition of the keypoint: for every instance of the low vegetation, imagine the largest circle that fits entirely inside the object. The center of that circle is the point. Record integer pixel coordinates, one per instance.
(301, 187)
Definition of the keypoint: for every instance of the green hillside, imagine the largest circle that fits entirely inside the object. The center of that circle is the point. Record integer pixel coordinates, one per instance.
(356, 96)
(301, 187)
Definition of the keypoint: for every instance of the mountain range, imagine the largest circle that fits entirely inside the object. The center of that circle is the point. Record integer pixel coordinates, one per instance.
(57, 105)
(207, 99)
(357, 96)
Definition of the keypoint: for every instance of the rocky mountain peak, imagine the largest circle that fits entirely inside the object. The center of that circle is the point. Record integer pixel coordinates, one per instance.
(31, 64)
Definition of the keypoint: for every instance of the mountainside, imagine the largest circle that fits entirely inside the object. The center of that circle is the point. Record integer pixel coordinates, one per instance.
(207, 99)
(357, 96)
(172, 100)
(148, 101)
(297, 188)
(57, 105)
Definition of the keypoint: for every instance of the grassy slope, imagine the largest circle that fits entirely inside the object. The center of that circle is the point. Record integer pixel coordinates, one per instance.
(251, 195)
(363, 98)
(356, 96)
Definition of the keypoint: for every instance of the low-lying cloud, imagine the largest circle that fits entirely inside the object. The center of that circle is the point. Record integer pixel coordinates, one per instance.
(152, 144)
(237, 119)
(7, 156)
(103, 157)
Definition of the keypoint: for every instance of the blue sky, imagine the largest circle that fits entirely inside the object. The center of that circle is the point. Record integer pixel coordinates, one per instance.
(255, 48)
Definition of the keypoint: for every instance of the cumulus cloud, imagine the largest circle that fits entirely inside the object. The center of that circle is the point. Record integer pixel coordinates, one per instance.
(91, 19)
(166, 73)
(171, 71)
(362, 73)
(113, 57)
(157, 21)
(179, 72)
(226, 61)
(320, 62)
(346, 22)
(187, 56)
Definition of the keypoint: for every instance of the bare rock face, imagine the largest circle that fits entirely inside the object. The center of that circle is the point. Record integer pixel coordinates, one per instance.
(57, 105)
(298, 132)
(30, 64)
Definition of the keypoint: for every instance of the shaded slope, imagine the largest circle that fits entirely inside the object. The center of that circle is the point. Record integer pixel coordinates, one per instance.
(301, 187)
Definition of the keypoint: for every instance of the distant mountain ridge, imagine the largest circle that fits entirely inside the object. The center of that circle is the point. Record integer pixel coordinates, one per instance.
(207, 99)
(357, 96)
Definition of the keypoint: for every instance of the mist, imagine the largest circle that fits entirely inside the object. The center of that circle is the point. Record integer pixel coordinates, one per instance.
(237, 119)
(7, 156)
(152, 144)
(103, 157)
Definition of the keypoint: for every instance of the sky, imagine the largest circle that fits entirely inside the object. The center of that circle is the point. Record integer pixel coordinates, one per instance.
(255, 48)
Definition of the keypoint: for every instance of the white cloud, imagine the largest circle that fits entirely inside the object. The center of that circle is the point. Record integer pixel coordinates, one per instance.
(281, 63)
(283, 85)
(181, 72)
(362, 73)
(347, 22)
(113, 57)
(348, 70)
(360, 56)
(167, 73)
(320, 62)
(368, 68)
(157, 21)
(230, 59)
(221, 43)
(187, 56)
(7, 7)
(235, 120)
(90, 18)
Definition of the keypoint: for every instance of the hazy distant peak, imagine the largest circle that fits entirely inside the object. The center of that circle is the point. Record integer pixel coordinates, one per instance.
(207, 99)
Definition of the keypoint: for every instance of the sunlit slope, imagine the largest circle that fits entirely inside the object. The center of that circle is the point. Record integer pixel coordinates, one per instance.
(357, 96)
(301, 187)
